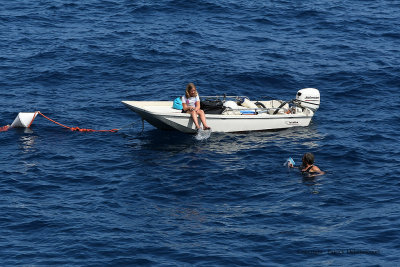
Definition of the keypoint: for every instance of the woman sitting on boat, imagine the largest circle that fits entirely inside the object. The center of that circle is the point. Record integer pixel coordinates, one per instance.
(191, 104)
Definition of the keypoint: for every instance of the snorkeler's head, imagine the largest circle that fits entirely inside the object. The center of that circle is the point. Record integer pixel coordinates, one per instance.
(308, 158)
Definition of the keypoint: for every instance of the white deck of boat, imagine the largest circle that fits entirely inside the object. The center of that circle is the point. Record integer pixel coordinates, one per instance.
(165, 107)
(154, 106)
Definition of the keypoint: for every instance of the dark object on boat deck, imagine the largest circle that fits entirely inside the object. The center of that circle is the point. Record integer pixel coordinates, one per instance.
(212, 106)
(259, 104)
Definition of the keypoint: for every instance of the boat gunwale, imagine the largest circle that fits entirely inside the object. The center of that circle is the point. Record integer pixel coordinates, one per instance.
(144, 107)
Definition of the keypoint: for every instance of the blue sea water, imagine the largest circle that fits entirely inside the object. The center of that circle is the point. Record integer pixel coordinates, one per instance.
(143, 196)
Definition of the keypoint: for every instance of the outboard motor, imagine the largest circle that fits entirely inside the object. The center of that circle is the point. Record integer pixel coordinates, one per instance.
(308, 98)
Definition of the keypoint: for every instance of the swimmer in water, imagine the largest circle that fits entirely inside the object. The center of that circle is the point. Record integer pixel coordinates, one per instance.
(308, 168)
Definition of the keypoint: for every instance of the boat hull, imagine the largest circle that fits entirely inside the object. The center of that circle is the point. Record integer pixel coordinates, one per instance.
(161, 115)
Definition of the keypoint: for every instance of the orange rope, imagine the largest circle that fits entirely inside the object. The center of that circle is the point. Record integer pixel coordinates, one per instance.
(4, 128)
(33, 118)
(77, 128)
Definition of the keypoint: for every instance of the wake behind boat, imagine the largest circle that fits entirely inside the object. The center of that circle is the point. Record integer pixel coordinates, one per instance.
(233, 113)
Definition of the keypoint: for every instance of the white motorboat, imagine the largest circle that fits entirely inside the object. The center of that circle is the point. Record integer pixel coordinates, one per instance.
(236, 114)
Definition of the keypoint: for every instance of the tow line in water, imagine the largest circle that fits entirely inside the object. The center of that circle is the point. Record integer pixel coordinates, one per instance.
(25, 120)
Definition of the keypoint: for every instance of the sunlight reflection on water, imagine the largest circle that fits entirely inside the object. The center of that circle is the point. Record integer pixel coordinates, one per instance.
(27, 143)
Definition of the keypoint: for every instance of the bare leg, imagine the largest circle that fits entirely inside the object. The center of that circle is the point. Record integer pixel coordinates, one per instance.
(195, 120)
(203, 119)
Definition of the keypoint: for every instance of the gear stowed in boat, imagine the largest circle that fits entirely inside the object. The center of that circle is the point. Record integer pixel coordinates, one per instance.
(237, 114)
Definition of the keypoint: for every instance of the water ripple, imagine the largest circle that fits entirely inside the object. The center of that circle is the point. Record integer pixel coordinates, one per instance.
(149, 197)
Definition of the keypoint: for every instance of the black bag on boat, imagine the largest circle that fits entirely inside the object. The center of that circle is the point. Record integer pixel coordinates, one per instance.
(212, 106)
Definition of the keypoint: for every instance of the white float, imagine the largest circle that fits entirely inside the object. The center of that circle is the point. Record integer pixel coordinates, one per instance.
(24, 119)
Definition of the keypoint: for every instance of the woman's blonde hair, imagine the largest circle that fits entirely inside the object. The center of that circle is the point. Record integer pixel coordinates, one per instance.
(189, 87)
